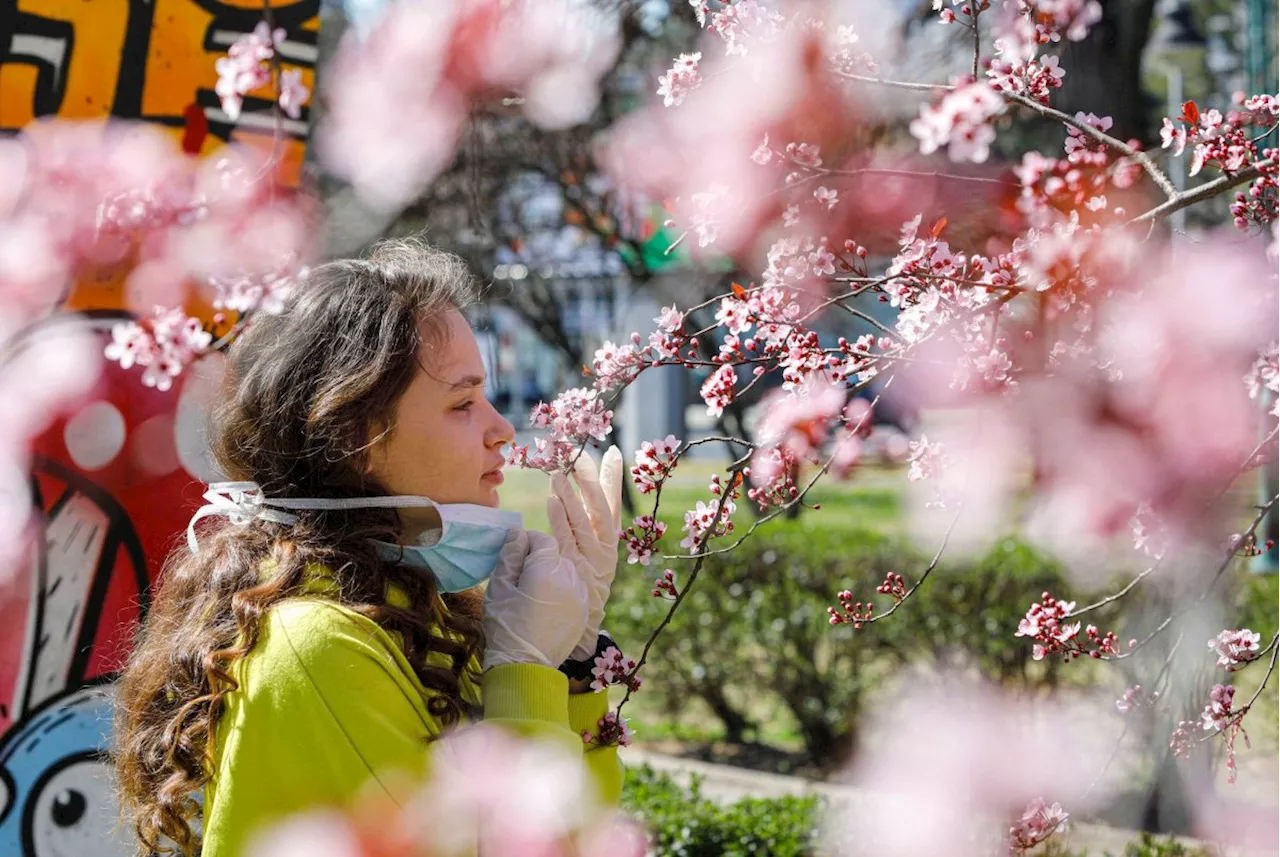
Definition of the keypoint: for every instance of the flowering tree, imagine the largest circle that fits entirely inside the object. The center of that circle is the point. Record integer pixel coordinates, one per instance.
(1096, 383)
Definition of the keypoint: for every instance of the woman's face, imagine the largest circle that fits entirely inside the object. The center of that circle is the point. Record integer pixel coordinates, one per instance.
(446, 440)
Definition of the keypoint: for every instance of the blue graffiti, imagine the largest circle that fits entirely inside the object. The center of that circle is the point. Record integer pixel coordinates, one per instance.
(56, 795)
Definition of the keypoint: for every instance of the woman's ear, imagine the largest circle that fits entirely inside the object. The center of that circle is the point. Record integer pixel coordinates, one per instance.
(374, 459)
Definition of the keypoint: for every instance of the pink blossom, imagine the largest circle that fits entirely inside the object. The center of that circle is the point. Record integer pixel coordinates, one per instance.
(924, 458)
(1217, 715)
(292, 92)
(1183, 740)
(642, 537)
(961, 122)
(574, 416)
(1038, 822)
(1264, 374)
(680, 80)
(612, 730)
(655, 459)
(665, 587)
(742, 23)
(1135, 698)
(718, 390)
(613, 667)
(397, 99)
(245, 68)
(762, 154)
(1015, 69)
(948, 762)
(800, 420)
(618, 365)
(1046, 623)
(267, 291)
(698, 522)
(1148, 533)
(699, 11)
(670, 320)
(1235, 648)
(826, 196)
(162, 345)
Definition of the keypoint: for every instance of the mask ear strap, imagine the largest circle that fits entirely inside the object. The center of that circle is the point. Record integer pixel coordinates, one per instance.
(242, 502)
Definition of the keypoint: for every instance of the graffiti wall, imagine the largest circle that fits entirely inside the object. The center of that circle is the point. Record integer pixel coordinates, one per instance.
(118, 479)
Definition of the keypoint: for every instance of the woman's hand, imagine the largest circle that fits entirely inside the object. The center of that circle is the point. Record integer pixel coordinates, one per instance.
(536, 605)
(587, 531)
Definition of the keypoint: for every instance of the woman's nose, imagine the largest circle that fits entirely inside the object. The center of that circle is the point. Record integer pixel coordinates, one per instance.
(503, 431)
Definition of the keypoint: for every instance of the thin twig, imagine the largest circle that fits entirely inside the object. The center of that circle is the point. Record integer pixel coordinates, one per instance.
(937, 558)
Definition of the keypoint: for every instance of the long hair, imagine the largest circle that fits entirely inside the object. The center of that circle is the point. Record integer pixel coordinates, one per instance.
(308, 392)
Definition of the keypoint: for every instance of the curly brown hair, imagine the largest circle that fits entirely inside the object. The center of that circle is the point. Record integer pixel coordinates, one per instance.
(308, 392)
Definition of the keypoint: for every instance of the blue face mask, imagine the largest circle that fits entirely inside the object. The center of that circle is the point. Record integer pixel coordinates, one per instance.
(464, 551)
(461, 554)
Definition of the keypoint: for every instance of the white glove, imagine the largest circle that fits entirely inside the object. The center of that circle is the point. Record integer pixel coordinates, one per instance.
(535, 606)
(587, 531)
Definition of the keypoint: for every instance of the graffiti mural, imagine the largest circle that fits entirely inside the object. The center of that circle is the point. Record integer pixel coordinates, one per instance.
(117, 479)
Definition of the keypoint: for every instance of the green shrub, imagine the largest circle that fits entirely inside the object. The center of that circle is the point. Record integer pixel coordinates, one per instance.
(683, 823)
(754, 629)
(1149, 846)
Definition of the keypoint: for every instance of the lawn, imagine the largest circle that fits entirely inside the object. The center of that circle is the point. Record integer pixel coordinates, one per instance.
(871, 501)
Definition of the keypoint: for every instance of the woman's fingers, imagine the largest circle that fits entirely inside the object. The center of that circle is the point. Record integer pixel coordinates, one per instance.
(594, 498)
(579, 522)
(611, 485)
(560, 527)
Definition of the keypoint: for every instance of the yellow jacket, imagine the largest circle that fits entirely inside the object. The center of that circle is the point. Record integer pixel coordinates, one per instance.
(329, 709)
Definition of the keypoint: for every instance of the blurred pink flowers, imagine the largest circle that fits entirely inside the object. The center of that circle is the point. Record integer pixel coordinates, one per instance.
(397, 99)
(487, 792)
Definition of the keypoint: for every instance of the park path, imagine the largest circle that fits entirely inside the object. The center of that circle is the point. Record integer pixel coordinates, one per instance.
(726, 783)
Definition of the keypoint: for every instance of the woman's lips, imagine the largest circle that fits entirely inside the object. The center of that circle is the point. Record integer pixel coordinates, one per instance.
(493, 476)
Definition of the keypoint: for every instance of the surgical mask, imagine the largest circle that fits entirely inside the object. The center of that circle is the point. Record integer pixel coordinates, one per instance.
(463, 555)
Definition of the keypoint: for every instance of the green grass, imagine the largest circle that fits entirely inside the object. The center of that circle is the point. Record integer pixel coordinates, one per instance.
(872, 501)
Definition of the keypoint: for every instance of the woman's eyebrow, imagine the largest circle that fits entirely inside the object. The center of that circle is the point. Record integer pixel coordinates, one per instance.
(468, 381)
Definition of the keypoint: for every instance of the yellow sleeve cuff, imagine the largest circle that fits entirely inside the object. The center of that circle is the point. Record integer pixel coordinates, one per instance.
(525, 692)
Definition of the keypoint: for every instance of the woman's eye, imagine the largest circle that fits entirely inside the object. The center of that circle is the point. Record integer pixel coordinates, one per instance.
(464, 406)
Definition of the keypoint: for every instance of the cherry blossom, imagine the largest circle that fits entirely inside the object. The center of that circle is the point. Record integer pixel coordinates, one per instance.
(1235, 648)
(611, 729)
(655, 459)
(924, 458)
(618, 365)
(1046, 623)
(245, 67)
(163, 345)
(612, 667)
(718, 390)
(743, 22)
(642, 537)
(1037, 823)
(665, 586)
(1217, 714)
(1016, 69)
(398, 96)
(293, 94)
(960, 121)
(680, 80)
(1135, 698)
(574, 416)
(827, 197)
(1183, 739)
(698, 522)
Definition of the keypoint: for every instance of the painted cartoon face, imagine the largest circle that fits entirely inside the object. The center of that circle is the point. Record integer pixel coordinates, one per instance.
(56, 798)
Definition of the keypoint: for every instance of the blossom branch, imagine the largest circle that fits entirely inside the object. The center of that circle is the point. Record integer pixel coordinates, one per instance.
(1142, 158)
(1208, 190)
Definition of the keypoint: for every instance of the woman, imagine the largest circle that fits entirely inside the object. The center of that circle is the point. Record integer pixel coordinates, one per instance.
(323, 626)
